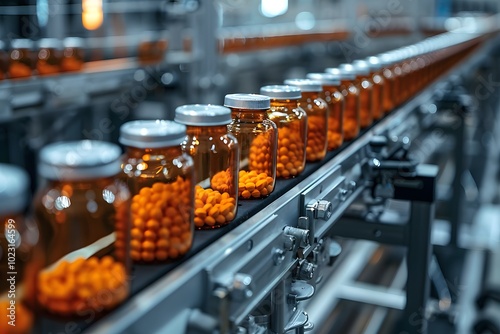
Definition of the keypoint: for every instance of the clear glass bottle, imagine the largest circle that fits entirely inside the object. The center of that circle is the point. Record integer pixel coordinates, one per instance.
(50, 51)
(161, 179)
(73, 55)
(351, 97)
(21, 58)
(216, 157)
(317, 117)
(379, 88)
(335, 100)
(258, 138)
(83, 216)
(17, 242)
(291, 121)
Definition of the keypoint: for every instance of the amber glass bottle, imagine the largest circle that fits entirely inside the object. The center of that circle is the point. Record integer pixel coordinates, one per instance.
(216, 157)
(17, 240)
(83, 214)
(379, 86)
(351, 97)
(365, 88)
(335, 100)
(73, 55)
(258, 139)
(161, 179)
(390, 86)
(50, 51)
(21, 59)
(317, 117)
(291, 121)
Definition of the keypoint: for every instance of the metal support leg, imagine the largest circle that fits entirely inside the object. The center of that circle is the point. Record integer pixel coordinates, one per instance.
(418, 259)
(457, 195)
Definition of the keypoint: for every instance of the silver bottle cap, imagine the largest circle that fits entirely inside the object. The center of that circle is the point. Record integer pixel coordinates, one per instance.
(152, 134)
(79, 160)
(247, 101)
(281, 92)
(202, 115)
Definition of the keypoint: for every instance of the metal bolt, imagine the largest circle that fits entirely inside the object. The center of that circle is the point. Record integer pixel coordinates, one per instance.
(289, 243)
(306, 271)
(324, 210)
(352, 185)
(242, 286)
(278, 256)
(343, 194)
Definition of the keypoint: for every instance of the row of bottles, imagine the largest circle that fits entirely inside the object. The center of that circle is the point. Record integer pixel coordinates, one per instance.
(48, 56)
(100, 211)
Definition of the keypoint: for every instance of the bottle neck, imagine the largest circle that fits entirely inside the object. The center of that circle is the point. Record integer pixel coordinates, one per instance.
(67, 186)
(310, 95)
(152, 154)
(206, 130)
(284, 104)
(252, 115)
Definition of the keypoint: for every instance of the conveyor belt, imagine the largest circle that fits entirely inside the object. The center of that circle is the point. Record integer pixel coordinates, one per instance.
(150, 283)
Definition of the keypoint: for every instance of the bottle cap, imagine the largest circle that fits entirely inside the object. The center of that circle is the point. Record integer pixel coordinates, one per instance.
(79, 160)
(281, 92)
(247, 101)
(202, 115)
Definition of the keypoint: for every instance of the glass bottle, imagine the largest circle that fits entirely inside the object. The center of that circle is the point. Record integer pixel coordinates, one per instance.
(365, 87)
(50, 51)
(3, 61)
(83, 216)
(379, 87)
(216, 157)
(397, 72)
(258, 138)
(351, 97)
(161, 179)
(291, 121)
(17, 241)
(73, 55)
(152, 48)
(390, 88)
(21, 59)
(335, 100)
(317, 117)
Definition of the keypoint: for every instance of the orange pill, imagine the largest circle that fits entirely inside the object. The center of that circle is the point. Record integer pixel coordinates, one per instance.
(175, 230)
(161, 255)
(256, 193)
(210, 221)
(246, 194)
(162, 244)
(148, 245)
(147, 256)
(198, 222)
(149, 235)
(135, 245)
(153, 224)
(163, 233)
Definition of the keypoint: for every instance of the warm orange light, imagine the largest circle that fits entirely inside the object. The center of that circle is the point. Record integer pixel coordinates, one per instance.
(92, 15)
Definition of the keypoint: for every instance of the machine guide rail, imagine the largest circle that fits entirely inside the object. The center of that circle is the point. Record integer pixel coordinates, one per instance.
(274, 250)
